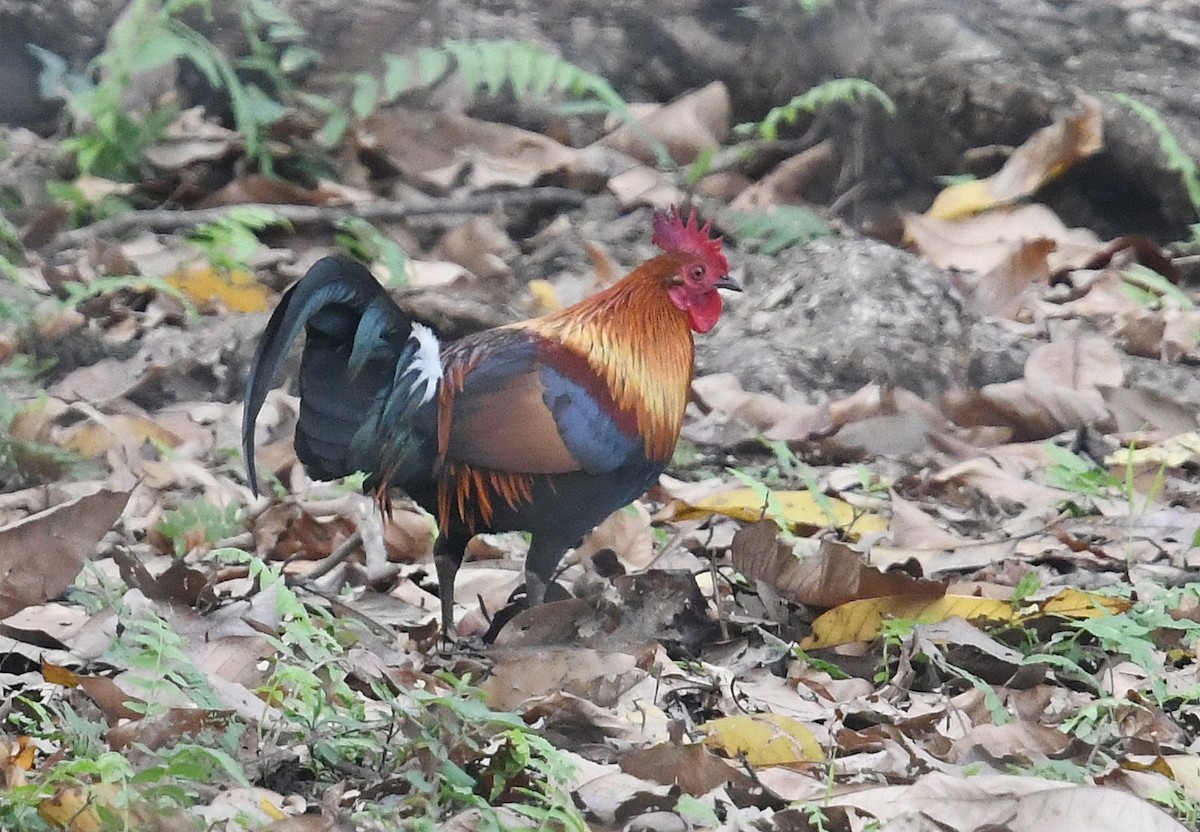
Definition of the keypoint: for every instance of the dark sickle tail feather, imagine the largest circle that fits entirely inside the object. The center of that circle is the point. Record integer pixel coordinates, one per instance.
(356, 387)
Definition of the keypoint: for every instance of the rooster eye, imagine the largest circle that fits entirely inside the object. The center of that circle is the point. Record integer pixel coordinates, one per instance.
(697, 272)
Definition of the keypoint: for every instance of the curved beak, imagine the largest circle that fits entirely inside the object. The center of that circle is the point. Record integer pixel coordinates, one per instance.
(729, 283)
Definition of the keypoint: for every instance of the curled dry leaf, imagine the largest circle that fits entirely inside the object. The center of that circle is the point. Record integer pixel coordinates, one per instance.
(479, 246)
(1044, 155)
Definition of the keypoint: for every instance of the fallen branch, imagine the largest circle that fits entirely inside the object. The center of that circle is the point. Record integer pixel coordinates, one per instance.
(175, 220)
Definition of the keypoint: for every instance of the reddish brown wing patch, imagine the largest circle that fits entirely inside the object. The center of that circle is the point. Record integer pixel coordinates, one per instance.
(509, 429)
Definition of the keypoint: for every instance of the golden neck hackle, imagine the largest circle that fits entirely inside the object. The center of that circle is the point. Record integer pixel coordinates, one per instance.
(639, 343)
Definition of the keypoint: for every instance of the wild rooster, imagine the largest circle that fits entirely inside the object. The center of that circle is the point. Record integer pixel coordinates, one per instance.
(545, 426)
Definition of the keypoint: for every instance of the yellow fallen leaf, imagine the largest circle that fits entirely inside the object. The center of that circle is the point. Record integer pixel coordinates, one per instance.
(57, 675)
(74, 807)
(962, 199)
(208, 287)
(1075, 603)
(1040, 158)
(797, 508)
(862, 620)
(765, 739)
(1170, 453)
(93, 439)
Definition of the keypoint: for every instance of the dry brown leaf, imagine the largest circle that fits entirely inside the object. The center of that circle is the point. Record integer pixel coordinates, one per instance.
(627, 533)
(597, 676)
(1004, 289)
(694, 768)
(1016, 803)
(912, 528)
(643, 185)
(439, 150)
(1022, 742)
(63, 537)
(833, 576)
(479, 246)
(270, 190)
(789, 182)
(981, 243)
(694, 122)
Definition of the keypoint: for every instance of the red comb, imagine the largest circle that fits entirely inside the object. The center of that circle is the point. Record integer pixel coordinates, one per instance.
(672, 234)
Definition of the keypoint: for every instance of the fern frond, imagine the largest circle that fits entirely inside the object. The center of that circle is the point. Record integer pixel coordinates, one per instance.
(835, 91)
(782, 227)
(1177, 158)
(490, 65)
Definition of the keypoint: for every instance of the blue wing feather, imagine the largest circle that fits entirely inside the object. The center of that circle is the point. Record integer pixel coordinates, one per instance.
(591, 435)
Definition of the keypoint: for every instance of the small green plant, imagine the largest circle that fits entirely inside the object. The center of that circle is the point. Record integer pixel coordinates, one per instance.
(362, 240)
(439, 746)
(1177, 158)
(199, 522)
(1072, 472)
(893, 633)
(1151, 289)
(780, 228)
(229, 242)
(490, 66)
(1026, 588)
(152, 34)
(121, 789)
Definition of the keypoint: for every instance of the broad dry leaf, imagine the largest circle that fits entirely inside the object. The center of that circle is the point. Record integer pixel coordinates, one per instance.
(1005, 288)
(63, 538)
(796, 508)
(440, 150)
(692, 123)
(1083, 363)
(763, 739)
(980, 243)
(479, 245)
(834, 575)
(519, 675)
(694, 768)
(862, 620)
(96, 437)
(1010, 802)
(1026, 742)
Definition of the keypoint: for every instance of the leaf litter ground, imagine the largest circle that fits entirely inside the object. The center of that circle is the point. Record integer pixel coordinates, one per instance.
(860, 611)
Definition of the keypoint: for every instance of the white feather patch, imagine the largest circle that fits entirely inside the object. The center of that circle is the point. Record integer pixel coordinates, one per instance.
(428, 361)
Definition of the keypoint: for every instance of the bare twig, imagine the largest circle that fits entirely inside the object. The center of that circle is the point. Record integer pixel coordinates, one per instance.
(343, 551)
(176, 220)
